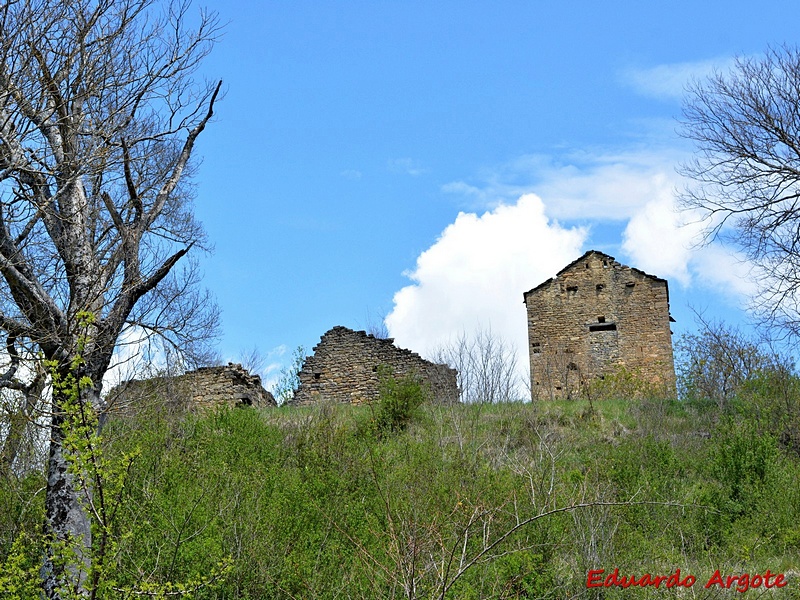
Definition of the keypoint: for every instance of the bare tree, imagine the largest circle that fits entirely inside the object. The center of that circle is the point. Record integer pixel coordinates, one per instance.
(716, 362)
(746, 126)
(486, 365)
(376, 325)
(253, 360)
(99, 116)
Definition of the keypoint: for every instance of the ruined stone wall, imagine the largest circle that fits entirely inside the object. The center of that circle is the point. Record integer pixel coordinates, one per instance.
(594, 317)
(207, 387)
(346, 367)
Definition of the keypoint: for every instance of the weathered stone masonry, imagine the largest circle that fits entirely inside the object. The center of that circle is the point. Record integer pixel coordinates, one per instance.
(346, 367)
(230, 385)
(595, 316)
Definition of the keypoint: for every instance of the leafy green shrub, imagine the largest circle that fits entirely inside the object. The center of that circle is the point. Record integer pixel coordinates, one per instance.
(398, 402)
(19, 572)
(745, 462)
(770, 401)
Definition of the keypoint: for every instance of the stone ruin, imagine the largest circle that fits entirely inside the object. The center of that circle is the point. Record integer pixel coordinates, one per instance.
(206, 387)
(347, 366)
(593, 318)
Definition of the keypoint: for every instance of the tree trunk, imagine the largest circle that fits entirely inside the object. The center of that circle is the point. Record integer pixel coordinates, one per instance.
(10, 446)
(67, 524)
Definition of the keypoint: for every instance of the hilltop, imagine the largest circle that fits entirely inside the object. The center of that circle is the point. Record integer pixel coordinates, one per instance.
(457, 501)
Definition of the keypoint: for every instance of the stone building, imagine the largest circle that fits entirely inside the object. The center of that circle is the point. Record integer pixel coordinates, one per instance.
(594, 317)
(206, 387)
(347, 366)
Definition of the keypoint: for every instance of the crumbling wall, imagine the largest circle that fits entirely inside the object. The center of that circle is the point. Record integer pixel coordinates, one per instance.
(346, 366)
(206, 387)
(596, 316)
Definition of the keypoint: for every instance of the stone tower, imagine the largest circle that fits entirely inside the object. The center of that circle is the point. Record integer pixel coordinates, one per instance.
(594, 317)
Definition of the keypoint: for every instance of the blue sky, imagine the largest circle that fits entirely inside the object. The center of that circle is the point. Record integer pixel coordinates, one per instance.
(431, 161)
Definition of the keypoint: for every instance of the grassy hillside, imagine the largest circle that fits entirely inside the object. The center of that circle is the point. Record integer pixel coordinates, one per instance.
(466, 501)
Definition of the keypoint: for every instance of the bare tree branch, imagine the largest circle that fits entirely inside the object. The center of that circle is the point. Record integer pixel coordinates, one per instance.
(746, 127)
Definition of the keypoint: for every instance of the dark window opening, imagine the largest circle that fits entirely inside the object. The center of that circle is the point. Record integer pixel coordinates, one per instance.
(630, 284)
(601, 319)
(599, 287)
(536, 347)
(603, 327)
(317, 375)
(572, 288)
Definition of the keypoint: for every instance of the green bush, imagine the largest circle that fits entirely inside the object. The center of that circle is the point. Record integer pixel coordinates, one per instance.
(770, 402)
(398, 403)
(745, 463)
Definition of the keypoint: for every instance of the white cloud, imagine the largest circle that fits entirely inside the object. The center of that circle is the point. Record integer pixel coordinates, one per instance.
(586, 185)
(637, 189)
(606, 187)
(670, 81)
(134, 356)
(474, 276)
(659, 240)
(725, 271)
(407, 166)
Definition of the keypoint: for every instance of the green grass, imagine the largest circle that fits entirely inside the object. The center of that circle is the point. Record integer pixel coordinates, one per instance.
(319, 502)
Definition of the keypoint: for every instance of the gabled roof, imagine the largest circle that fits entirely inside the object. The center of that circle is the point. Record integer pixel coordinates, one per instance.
(584, 257)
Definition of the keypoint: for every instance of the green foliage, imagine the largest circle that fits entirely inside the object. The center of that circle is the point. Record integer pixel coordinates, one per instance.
(745, 463)
(300, 503)
(398, 403)
(714, 364)
(19, 572)
(527, 574)
(770, 402)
